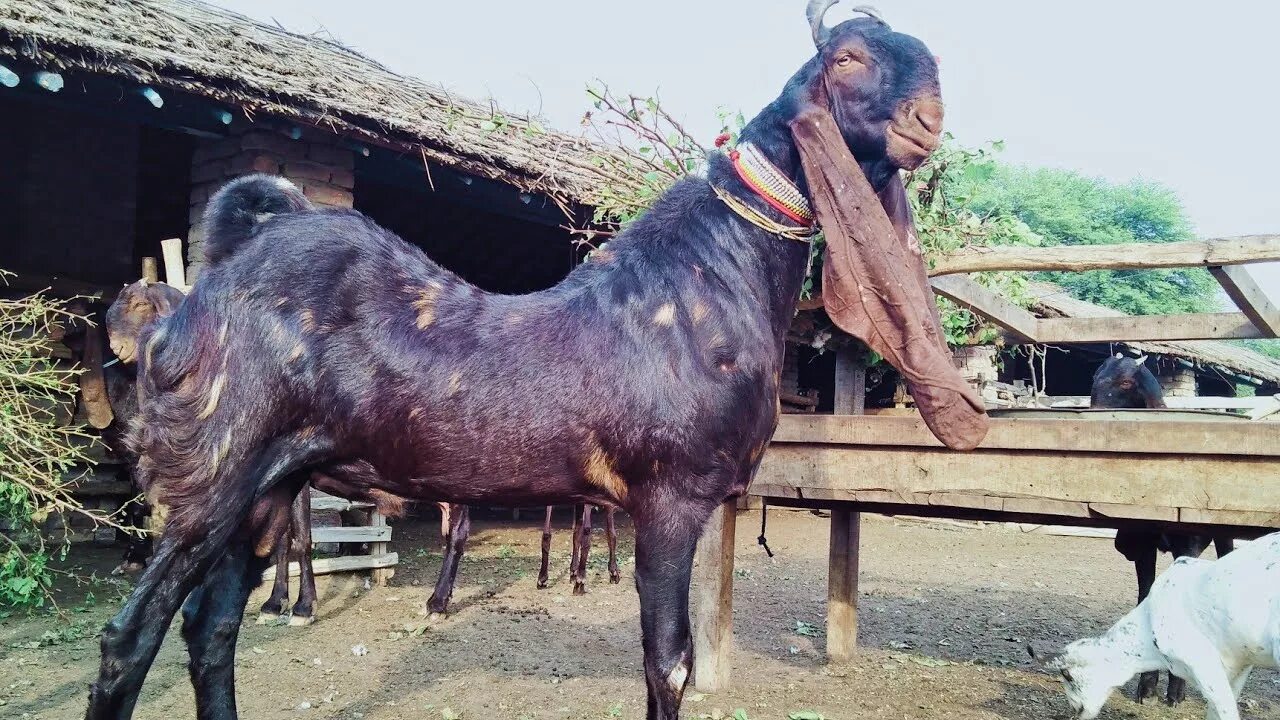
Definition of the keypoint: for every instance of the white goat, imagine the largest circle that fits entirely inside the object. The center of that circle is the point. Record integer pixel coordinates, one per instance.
(1210, 622)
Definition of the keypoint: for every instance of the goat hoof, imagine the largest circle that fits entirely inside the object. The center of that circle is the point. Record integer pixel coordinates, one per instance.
(267, 618)
(301, 620)
(579, 589)
(435, 617)
(615, 579)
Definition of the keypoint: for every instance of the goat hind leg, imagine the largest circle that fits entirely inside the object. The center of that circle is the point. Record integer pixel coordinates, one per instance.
(455, 542)
(611, 535)
(304, 610)
(582, 542)
(273, 608)
(1145, 564)
(543, 569)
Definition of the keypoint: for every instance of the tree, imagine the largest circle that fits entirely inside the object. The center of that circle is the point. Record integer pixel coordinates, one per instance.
(1066, 208)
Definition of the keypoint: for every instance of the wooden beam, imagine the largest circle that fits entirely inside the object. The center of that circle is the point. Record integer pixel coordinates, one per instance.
(842, 585)
(323, 502)
(1251, 299)
(1225, 436)
(1130, 256)
(1060, 482)
(1134, 328)
(967, 293)
(713, 613)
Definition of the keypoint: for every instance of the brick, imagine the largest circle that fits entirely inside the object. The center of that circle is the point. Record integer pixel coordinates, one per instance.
(215, 149)
(274, 142)
(338, 157)
(321, 194)
(307, 171)
(254, 162)
(208, 171)
(343, 178)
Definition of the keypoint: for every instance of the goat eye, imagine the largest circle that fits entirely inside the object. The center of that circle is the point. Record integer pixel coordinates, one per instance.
(846, 60)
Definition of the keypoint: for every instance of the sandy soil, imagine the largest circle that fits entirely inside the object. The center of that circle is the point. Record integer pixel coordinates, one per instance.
(946, 612)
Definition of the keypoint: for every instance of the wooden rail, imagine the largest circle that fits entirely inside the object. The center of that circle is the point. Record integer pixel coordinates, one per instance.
(1130, 256)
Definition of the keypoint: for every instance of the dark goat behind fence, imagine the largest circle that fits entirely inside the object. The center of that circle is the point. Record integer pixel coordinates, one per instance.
(1123, 382)
(319, 345)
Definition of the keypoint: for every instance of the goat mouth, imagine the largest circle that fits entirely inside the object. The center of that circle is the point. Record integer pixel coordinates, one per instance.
(908, 148)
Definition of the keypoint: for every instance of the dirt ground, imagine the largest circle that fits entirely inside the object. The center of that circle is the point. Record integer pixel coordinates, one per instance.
(946, 613)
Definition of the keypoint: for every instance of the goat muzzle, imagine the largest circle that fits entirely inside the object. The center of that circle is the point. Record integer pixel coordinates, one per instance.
(915, 132)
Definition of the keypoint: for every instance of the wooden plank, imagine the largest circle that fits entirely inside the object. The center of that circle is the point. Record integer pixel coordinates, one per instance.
(1130, 256)
(150, 272)
(912, 475)
(1201, 437)
(342, 563)
(1135, 512)
(371, 533)
(323, 502)
(1249, 297)
(382, 575)
(1135, 328)
(174, 268)
(713, 609)
(842, 585)
(967, 293)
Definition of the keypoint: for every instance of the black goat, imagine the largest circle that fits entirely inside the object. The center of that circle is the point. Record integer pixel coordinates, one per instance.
(321, 345)
(135, 307)
(581, 547)
(1126, 383)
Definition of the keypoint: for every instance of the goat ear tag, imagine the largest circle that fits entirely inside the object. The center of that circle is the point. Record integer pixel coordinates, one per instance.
(875, 285)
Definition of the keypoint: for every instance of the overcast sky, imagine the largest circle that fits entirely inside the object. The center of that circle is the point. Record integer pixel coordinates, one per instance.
(1178, 92)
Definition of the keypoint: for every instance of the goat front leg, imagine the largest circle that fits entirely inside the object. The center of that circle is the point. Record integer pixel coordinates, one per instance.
(582, 548)
(1211, 678)
(1140, 548)
(611, 535)
(459, 529)
(211, 625)
(544, 568)
(664, 563)
(131, 639)
(304, 610)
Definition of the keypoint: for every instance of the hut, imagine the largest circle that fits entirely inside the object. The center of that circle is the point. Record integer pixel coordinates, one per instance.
(119, 119)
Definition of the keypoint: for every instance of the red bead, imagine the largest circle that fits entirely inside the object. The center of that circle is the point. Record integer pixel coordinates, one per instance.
(721, 139)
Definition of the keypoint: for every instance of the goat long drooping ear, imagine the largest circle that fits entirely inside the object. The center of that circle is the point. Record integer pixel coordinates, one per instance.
(817, 11)
(874, 282)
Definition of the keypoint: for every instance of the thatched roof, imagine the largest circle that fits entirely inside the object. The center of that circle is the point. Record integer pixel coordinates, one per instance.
(204, 50)
(1053, 301)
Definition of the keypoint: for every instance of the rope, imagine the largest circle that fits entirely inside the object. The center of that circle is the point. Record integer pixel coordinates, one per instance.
(755, 217)
(764, 518)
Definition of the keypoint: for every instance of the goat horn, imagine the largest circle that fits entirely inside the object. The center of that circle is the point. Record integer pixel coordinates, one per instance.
(816, 11)
(1140, 359)
(1119, 356)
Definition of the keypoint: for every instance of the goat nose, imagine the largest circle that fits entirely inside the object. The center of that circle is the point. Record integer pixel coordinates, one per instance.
(929, 112)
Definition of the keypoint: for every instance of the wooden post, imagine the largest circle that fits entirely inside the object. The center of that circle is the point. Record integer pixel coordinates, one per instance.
(175, 272)
(713, 609)
(380, 575)
(842, 555)
(842, 586)
(150, 273)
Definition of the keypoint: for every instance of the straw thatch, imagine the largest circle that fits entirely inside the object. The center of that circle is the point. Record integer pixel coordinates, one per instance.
(1053, 301)
(264, 70)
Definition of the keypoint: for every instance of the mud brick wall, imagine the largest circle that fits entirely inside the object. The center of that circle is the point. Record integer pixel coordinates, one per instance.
(314, 161)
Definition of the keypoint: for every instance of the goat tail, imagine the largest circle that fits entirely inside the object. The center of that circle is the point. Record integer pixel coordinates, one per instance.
(240, 206)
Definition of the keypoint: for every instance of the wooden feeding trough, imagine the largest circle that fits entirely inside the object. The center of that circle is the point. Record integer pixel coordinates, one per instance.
(1172, 468)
